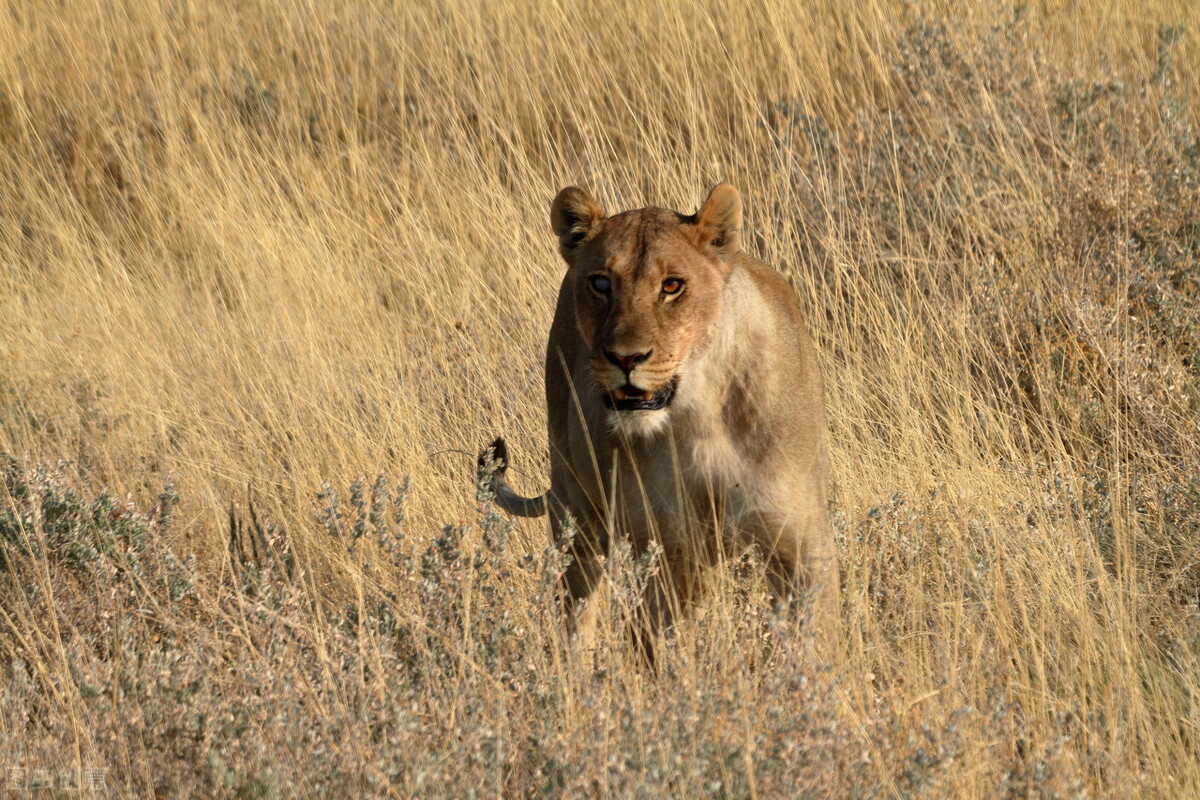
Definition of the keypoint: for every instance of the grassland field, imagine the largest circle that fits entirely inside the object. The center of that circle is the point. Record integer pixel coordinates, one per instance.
(272, 273)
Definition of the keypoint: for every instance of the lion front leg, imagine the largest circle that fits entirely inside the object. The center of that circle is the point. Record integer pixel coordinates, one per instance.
(581, 579)
(802, 571)
(667, 596)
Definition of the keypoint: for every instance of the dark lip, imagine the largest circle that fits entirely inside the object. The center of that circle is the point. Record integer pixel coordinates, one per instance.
(659, 400)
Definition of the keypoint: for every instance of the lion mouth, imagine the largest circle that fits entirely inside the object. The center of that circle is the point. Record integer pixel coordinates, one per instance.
(631, 398)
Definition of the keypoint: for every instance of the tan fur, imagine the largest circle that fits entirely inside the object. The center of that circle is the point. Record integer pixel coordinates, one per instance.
(738, 457)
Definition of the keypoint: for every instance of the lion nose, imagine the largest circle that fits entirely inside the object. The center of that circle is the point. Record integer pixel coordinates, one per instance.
(627, 361)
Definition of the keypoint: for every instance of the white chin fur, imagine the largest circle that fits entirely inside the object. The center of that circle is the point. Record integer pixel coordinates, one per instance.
(638, 423)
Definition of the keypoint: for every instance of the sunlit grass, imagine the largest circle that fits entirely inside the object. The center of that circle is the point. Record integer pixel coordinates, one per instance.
(263, 255)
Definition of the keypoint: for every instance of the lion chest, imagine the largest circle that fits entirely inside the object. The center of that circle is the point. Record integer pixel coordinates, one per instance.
(679, 485)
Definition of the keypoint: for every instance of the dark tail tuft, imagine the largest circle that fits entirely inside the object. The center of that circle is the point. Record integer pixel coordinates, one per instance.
(497, 451)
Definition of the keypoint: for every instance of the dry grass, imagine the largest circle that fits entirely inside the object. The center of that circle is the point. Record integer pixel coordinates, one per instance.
(253, 252)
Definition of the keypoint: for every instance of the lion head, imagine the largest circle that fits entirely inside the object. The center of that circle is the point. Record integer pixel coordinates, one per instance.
(647, 287)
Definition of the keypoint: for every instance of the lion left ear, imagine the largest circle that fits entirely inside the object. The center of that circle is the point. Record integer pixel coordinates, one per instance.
(718, 223)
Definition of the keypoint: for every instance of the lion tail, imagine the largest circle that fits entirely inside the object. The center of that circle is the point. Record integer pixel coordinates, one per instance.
(508, 499)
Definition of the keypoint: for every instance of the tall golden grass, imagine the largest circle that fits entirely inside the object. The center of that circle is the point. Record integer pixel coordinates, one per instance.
(256, 250)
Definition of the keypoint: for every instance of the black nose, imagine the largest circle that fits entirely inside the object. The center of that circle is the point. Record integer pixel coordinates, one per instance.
(627, 362)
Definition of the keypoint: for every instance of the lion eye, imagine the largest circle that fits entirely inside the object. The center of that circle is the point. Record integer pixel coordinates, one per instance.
(672, 286)
(600, 283)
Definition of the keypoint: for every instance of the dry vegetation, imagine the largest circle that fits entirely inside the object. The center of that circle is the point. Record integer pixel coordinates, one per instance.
(250, 256)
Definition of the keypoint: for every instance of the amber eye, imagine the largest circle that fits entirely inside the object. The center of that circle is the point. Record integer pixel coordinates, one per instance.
(672, 286)
(600, 283)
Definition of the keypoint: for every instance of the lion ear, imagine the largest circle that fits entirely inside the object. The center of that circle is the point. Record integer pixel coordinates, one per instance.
(575, 216)
(719, 221)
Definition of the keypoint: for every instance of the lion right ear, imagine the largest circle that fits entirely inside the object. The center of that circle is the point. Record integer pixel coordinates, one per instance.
(575, 216)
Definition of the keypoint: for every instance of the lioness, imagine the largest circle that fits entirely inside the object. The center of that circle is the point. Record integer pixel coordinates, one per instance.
(685, 406)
